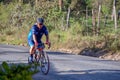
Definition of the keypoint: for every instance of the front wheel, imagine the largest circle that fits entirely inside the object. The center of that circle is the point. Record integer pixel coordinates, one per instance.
(45, 64)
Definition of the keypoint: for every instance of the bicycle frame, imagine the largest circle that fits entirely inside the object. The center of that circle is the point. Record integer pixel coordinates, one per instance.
(42, 60)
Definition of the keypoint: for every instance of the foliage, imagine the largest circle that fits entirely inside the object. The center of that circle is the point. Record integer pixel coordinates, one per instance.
(15, 72)
(16, 19)
(117, 4)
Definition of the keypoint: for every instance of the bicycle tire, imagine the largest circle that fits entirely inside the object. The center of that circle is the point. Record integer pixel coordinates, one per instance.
(45, 63)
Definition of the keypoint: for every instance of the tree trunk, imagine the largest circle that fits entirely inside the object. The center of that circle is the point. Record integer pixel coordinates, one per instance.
(36, 3)
(93, 22)
(98, 23)
(60, 4)
(20, 1)
(86, 20)
(115, 17)
(105, 21)
(68, 17)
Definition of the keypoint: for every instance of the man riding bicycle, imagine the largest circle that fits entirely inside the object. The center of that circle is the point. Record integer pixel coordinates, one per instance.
(35, 35)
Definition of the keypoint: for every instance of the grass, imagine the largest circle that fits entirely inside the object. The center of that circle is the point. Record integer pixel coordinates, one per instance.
(69, 39)
(13, 35)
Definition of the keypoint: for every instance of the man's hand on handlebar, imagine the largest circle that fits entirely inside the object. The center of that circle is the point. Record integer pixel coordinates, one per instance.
(36, 43)
(49, 44)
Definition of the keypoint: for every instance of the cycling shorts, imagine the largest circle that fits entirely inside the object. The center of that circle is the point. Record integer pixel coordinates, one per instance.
(40, 44)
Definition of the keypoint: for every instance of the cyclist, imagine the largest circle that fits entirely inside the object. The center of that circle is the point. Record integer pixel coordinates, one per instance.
(35, 35)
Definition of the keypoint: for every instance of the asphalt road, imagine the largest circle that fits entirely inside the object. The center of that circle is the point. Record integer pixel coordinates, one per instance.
(65, 66)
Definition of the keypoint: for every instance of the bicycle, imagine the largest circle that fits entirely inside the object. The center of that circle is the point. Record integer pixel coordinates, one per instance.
(40, 60)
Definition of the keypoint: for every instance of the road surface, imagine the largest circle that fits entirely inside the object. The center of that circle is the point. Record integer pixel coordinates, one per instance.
(65, 66)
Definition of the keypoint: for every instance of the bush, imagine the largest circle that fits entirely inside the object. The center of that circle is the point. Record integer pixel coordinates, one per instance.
(15, 72)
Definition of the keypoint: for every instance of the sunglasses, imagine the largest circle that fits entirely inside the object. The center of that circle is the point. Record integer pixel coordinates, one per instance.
(40, 24)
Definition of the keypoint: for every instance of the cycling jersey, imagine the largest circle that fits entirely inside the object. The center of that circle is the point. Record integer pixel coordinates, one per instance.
(38, 32)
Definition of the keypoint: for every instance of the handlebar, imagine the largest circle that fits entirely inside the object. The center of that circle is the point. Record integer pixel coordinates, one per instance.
(43, 45)
(48, 44)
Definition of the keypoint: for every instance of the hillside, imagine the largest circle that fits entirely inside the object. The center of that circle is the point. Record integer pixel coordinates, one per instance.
(80, 26)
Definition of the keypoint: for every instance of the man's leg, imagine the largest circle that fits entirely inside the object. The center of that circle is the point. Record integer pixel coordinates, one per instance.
(32, 50)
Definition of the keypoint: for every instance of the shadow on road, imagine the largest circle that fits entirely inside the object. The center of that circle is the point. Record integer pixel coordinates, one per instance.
(93, 74)
(94, 52)
(17, 52)
(57, 53)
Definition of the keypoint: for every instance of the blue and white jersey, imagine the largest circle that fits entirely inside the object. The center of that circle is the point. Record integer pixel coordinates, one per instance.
(38, 32)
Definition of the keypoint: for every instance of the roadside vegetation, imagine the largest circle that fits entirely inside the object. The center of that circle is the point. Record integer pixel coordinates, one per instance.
(81, 32)
(15, 72)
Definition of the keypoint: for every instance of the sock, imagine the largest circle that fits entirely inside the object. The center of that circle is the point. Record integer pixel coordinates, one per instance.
(31, 55)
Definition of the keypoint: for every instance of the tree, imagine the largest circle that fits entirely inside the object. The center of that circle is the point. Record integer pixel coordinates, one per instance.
(20, 1)
(60, 4)
(117, 5)
(36, 2)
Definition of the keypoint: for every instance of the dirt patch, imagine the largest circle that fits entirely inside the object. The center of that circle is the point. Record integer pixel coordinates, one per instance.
(100, 53)
(110, 56)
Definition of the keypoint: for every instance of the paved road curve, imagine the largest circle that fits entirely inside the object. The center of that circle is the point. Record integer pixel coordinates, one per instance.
(66, 66)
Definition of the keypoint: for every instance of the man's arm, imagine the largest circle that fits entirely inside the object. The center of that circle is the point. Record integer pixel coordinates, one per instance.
(34, 38)
(34, 35)
(47, 38)
(47, 41)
